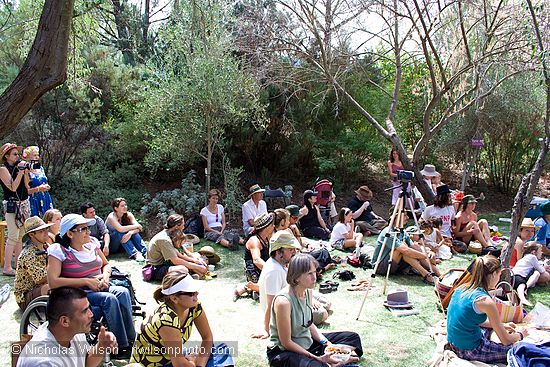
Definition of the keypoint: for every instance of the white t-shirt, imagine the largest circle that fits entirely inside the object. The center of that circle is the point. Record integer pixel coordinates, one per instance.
(88, 254)
(272, 280)
(526, 264)
(213, 219)
(338, 232)
(447, 214)
(251, 211)
(44, 351)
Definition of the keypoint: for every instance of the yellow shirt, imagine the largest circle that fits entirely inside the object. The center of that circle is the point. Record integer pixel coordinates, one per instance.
(149, 347)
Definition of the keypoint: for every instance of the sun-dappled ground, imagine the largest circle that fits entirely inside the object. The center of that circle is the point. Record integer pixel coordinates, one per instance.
(387, 340)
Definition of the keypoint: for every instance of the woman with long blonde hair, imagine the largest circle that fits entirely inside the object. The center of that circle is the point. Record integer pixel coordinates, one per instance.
(473, 314)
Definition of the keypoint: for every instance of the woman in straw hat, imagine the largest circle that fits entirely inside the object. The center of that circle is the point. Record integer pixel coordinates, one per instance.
(526, 232)
(161, 338)
(14, 181)
(256, 253)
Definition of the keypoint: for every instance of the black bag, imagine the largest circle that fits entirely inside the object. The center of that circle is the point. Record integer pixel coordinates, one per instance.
(344, 275)
(366, 261)
(322, 256)
(11, 206)
(193, 225)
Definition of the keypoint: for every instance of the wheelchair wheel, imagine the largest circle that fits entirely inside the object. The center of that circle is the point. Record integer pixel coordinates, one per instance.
(34, 316)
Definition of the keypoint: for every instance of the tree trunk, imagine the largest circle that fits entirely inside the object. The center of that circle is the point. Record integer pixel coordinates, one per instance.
(530, 181)
(123, 42)
(45, 67)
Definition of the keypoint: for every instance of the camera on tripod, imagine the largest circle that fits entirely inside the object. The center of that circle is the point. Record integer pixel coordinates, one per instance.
(28, 165)
(405, 176)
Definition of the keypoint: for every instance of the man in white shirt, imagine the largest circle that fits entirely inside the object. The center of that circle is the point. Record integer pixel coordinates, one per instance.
(253, 208)
(61, 341)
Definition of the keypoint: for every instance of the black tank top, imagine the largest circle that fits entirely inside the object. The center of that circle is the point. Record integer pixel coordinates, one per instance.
(21, 193)
(264, 251)
(310, 219)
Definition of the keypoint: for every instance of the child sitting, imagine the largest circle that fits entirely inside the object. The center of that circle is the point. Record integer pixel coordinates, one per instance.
(528, 270)
(342, 236)
(434, 239)
(414, 234)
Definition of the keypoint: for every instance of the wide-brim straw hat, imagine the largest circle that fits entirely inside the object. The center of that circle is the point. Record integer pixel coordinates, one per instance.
(528, 223)
(364, 192)
(263, 220)
(254, 189)
(210, 254)
(34, 224)
(9, 146)
(429, 170)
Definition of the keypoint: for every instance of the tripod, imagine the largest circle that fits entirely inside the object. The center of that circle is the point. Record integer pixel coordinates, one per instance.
(396, 225)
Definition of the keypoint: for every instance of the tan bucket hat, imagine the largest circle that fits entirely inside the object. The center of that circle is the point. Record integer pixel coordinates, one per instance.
(210, 254)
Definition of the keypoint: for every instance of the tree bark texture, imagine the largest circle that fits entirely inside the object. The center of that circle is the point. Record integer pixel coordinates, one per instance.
(45, 67)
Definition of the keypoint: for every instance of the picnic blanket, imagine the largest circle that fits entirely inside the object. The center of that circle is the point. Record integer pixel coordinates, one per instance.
(447, 358)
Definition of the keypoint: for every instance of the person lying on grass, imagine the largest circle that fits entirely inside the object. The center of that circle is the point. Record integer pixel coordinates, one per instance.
(473, 314)
(294, 339)
(405, 255)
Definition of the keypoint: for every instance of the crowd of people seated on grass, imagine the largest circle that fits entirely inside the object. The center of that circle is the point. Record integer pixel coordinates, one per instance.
(284, 252)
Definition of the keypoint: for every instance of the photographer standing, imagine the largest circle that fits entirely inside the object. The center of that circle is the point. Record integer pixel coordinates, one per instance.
(16, 203)
(40, 199)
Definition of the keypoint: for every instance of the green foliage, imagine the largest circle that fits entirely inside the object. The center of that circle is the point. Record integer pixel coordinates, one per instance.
(102, 174)
(233, 197)
(189, 198)
(198, 89)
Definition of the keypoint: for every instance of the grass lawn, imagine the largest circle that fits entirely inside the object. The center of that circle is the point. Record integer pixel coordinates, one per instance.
(387, 340)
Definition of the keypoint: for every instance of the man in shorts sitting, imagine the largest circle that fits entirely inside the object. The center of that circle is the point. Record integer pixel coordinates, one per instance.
(404, 254)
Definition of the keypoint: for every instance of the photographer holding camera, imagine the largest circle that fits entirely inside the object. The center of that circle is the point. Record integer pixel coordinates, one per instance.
(40, 199)
(16, 203)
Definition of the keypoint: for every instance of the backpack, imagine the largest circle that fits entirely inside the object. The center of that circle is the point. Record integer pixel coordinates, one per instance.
(193, 225)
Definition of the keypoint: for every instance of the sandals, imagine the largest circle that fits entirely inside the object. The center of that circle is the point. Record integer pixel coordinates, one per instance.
(328, 287)
(428, 279)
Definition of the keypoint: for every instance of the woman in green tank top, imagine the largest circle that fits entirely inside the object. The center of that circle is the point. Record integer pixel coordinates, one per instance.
(295, 340)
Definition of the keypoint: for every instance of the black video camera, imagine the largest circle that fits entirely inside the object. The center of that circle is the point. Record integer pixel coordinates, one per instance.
(405, 176)
(28, 165)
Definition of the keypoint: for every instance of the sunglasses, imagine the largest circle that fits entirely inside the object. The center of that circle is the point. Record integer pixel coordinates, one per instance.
(310, 321)
(81, 229)
(188, 294)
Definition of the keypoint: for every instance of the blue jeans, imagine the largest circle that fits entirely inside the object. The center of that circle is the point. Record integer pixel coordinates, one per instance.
(116, 308)
(220, 356)
(134, 244)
